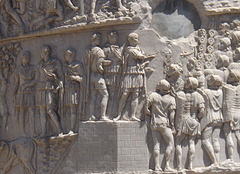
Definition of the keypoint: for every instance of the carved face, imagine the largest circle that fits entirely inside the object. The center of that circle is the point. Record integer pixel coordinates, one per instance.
(221, 45)
(190, 65)
(133, 40)
(231, 78)
(45, 54)
(25, 60)
(113, 37)
(98, 40)
(69, 56)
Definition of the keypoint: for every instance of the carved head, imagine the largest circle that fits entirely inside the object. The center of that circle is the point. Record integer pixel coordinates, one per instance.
(113, 37)
(202, 32)
(70, 55)
(236, 54)
(26, 58)
(174, 70)
(96, 39)
(224, 27)
(236, 38)
(133, 39)
(45, 53)
(214, 82)
(191, 84)
(192, 63)
(222, 61)
(224, 44)
(233, 77)
(163, 87)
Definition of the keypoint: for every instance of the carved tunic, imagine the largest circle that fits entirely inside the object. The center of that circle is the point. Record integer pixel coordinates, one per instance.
(133, 73)
(231, 105)
(47, 83)
(190, 124)
(112, 73)
(213, 105)
(96, 56)
(72, 87)
(161, 107)
(25, 97)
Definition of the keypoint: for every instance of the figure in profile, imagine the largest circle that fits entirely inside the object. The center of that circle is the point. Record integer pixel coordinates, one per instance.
(112, 72)
(212, 121)
(95, 62)
(24, 91)
(192, 112)
(133, 77)
(73, 72)
(49, 88)
(161, 107)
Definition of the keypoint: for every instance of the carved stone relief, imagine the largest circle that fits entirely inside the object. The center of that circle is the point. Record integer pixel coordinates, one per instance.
(88, 85)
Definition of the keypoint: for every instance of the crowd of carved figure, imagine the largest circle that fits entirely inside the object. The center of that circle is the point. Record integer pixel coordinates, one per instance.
(64, 92)
(201, 100)
(21, 16)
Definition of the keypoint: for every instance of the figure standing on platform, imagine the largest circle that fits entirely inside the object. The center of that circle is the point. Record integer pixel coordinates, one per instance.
(49, 84)
(133, 77)
(95, 62)
(73, 72)
(161, 107)
(24, 91)
(112, 73)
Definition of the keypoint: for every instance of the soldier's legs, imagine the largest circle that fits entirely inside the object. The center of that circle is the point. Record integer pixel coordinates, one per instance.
(93, 7)
(119, 5)
(73, 117)
(92, 105)
(70, 5)
(43, 120)
(134, 105)
(54, 117)
(166, 133)
(156, 149)
(237, 134)
(206, 136)
(179, 139)
(229, 140)
(58, 12)
(122, 103)
(215, 141)
(191, 152)
(103, 103)
(21, 119)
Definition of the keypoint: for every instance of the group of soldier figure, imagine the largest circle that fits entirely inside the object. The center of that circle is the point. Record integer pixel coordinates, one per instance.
(204, 103)
(51, 90)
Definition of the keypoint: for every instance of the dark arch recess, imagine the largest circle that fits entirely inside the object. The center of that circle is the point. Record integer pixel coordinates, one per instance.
(175, 19)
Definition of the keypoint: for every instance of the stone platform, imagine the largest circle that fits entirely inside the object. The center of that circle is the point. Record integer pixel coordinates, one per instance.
(108, 147)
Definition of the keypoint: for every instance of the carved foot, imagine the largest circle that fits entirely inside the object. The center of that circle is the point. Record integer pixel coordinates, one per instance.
(158, 169)
(190, 166)
(134, 118)
(168, 169)
(179, 168)
(92, 118)
(104, 118)
(75, 9)
(117, 118)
